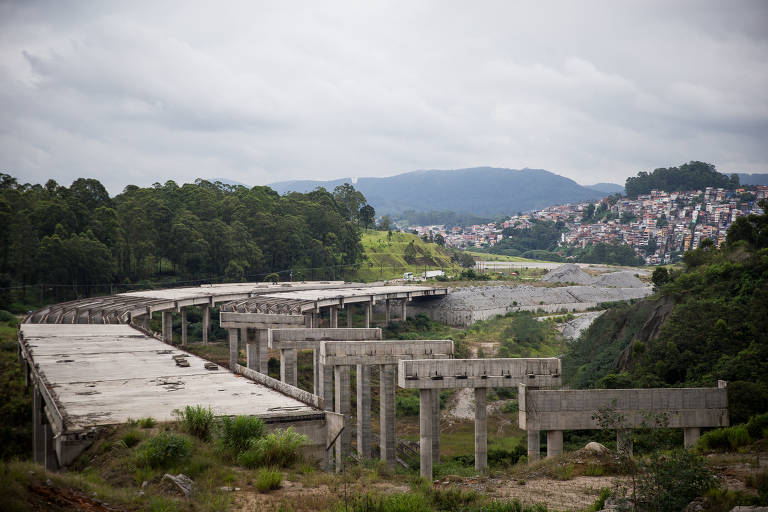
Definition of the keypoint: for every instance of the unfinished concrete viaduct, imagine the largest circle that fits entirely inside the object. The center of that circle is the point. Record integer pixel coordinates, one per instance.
(94, 362)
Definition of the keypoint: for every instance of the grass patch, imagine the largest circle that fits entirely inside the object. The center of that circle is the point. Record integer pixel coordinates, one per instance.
(236, 433)
(280, 448)
(165, 450)
(147, 422)
(196, 420)
(268, 479)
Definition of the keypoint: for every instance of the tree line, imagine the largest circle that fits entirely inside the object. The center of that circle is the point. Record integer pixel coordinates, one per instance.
(694, 175)
(77, 239)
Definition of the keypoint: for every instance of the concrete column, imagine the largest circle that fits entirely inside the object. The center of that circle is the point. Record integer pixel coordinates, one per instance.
(367, 312)
(51, 462)
(387, 312)
(167, 326)
(206, 310)
(315, 371)
(690, 436)
(334, 317)
(534, 447)
(403, 312)
(251, 349)
(387, 378)
(315, 320)
(348, 311)
(308, 320)
(233, 348)
(481, 430)
(554, 443)
(288, 360)
(624, 441)
(425, 433)
(364, 411)
(183, 327)
(435, 426)
(145, 321)
(325, 385)
(343, 407)
(262, 338)
(38, 433)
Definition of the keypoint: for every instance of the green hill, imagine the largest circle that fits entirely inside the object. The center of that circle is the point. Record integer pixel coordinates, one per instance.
(387, 257)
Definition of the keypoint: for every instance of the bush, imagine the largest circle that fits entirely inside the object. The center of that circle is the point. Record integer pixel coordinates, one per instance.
(756, 426)
(197, 421)
(714, 440)
(668, 482)
(147, 422)
(389, 503)
(407, 405)
(7, 316)
(279, 448)
(165, 450)
(236, 433)
(268, 480)
(738, 436)
(132, 438)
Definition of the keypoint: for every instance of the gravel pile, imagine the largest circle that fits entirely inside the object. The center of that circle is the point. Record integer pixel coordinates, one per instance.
(568, 273)
(623, 279)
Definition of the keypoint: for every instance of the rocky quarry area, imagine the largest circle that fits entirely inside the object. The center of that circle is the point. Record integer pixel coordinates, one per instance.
(466, 305)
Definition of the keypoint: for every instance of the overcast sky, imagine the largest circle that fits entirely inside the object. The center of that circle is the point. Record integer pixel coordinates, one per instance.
(257, 92)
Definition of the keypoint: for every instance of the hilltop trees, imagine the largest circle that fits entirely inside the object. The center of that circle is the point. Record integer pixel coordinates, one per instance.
(691, 176)
(74, 238)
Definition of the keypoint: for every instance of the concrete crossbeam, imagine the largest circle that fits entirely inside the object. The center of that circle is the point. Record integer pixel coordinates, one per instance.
(310, 338)
(479, 373)
(230, 319)
(382, 352)
(574, 409)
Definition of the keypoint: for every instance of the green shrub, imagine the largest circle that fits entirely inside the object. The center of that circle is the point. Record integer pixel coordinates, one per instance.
(759, 482)
(738, 436)
(453, 499)
(507, 506)
(165, 450)
(415, 502)
(714, 440)
(236, 433)
(756, 426)
(147, 422)
(196, 420)
(7, 316)
(594, 470)
(268, 479)
(668, 482)
(407, 405)
(132, 438)
(280, 448)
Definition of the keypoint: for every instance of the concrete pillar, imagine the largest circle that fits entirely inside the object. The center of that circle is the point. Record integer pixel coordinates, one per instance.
(325, 385)
(315, 371)
(343, 406)
(690, 436)
(348, 311)
(206, 310)
(425, 433)
(387, 312)
(334, 317)
(364, 411)
(51, 462)
(534, 447)
(403, 312)
(367, 312)
(481, 430)
(554, 443)
(308, 320)
(262, 338)
(38, 433)
(288, 360)
(167, 326)
(435, 426)
(315, 320)
(233, 348)
(251, 348)
(145, 321)
(624, 441)
(387, 378)
(183, 327)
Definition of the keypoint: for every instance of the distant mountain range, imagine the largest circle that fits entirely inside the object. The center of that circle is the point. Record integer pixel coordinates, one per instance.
(753, 179)
(607, 188)
(485, 191)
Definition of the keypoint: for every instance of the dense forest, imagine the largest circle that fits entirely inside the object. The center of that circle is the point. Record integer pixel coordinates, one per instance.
(541, 241)
(706, 322)
(60, 242)
(691, 176)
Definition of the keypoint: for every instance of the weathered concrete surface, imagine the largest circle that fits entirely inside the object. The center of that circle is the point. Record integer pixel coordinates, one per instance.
(363, 383)
(382, 352)
(387, 433)
(477, 373)
(573, 409)
(304, 338)
(481, 430)
(92, 376)
(425, 433)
